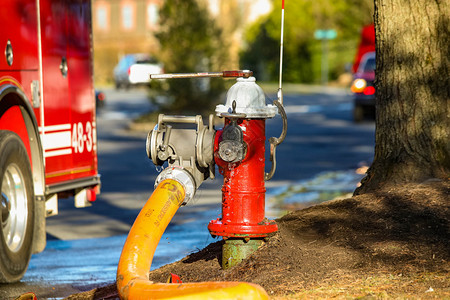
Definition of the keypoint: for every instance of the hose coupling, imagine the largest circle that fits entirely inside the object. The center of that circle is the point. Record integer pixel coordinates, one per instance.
(191, 149)
(181, 176)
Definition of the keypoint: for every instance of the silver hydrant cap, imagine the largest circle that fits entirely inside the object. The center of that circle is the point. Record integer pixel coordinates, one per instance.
(250, 100)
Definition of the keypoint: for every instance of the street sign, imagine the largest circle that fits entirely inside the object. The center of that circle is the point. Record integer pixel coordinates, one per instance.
(325, 34)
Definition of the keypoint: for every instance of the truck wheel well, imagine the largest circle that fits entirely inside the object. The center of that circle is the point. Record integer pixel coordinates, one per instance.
(11, 96)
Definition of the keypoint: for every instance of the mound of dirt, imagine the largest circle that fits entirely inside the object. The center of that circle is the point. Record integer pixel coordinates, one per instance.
(391, 241)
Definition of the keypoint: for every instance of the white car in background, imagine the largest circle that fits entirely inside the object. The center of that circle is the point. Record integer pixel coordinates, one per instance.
(135, 69)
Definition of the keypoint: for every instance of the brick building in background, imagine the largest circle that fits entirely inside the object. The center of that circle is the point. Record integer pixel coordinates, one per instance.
(128, 26)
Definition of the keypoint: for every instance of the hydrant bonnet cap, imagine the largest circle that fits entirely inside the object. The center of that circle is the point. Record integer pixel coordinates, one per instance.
(250, 100)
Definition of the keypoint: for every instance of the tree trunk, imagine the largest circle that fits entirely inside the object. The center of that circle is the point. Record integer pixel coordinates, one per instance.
(412, 138)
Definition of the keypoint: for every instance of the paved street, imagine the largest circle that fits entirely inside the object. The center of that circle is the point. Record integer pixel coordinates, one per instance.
(84, 244)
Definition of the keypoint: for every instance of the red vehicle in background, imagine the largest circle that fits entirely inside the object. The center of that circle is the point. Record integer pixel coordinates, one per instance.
(366, 44)
(363, 88)
(48, 145)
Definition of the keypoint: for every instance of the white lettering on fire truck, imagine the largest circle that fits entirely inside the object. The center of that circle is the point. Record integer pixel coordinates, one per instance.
(64, 139)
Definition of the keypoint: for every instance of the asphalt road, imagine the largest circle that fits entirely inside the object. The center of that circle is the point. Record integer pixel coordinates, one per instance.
(84, 245)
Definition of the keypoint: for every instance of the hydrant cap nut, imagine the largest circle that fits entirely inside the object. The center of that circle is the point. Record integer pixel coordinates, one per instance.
(250, 100)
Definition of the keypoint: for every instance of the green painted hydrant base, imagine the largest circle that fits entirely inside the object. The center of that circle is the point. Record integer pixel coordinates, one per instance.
(235, 250)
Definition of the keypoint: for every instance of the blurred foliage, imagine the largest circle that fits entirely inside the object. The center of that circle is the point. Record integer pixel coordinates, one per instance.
(104, 65)
(302, 53)
(190, 41)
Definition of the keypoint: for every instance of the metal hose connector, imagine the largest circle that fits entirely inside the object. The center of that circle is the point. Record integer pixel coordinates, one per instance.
(181, 176)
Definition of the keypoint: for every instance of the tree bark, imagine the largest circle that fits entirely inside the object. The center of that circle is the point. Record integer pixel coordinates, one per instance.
(412, 138)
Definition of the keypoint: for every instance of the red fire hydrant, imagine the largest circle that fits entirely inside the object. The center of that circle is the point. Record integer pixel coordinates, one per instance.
(239, 152)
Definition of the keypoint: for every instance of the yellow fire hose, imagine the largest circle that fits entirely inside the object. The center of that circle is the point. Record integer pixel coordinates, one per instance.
(137, 255)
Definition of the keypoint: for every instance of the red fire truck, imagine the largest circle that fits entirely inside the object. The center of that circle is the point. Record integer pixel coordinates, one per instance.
(48, 147)
(366, 44)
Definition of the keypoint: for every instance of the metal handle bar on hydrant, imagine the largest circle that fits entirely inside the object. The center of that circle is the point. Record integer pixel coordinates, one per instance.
(238, 149)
